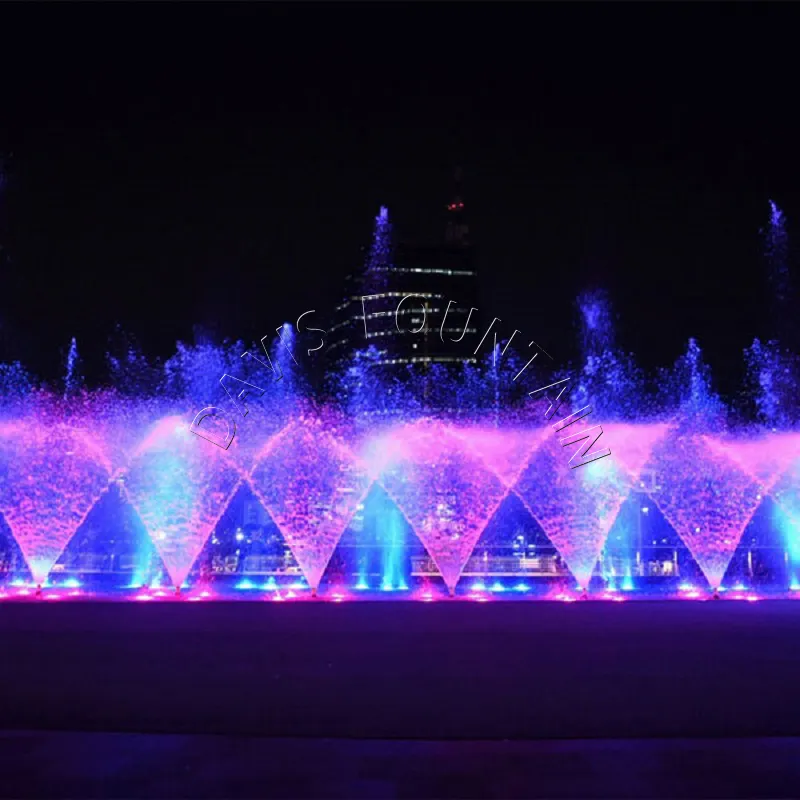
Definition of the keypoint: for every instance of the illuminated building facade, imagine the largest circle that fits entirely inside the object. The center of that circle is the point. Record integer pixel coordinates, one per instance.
(433, 275)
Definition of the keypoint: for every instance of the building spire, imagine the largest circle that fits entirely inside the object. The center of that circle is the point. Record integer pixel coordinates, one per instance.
(379, 260)
(457, 230)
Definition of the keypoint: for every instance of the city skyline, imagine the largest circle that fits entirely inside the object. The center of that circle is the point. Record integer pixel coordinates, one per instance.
(161, 199)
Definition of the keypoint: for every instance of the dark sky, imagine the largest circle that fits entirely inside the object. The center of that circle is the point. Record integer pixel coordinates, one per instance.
(180, 163)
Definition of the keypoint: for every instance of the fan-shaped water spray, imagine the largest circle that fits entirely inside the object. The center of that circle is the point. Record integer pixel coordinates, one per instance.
(311, 485)
(575, 508)
(506, 452)
(51, 474)
(180, 488)
(707, 497)
(443, 489)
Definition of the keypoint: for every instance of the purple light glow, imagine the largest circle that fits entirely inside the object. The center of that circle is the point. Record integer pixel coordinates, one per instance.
(445, 492)
(447, 480)
(53, 474)
(179, 491)
(311, 485)
(707, 498)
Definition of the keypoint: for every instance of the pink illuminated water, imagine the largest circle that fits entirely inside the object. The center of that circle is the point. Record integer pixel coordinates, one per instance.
(50, 477)
(179, 490)
(311, 485)
(445, 491)
(766, 458)
(447, 480)
(786, 492)
(575, 507)
(506, 452)
(707, 497)
(633, 445)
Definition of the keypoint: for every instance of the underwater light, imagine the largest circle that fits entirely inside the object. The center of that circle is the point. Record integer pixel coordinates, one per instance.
(310, 483)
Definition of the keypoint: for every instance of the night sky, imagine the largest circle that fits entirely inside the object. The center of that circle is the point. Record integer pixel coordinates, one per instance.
(180, 164)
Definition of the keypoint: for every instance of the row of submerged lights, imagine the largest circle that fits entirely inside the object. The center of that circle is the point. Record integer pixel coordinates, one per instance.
(479, 591)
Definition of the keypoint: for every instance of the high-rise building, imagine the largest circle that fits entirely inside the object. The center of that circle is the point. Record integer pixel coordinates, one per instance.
(440, 276)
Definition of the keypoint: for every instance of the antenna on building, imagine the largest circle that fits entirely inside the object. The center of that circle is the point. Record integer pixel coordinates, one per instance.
(457, 230)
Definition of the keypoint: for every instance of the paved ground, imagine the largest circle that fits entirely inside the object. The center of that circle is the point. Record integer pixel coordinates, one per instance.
(401, 700)
(404, 670)
(130, 766)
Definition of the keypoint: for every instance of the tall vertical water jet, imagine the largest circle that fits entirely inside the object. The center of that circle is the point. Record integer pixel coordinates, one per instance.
(686, 392)
(391, 543)
(379, 259)
(132, 374)
(73, 378)
(773, 366)
(3, 290)
(608, 380)
(776, 254)
(767, 374)
(193, 373)
(285, 360)
(596, 323)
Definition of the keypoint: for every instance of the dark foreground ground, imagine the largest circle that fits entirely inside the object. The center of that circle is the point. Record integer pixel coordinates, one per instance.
(160, 767)
(301, 699)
